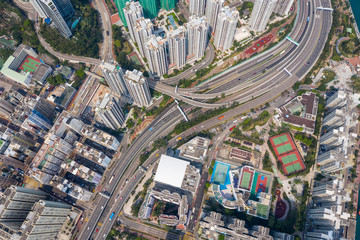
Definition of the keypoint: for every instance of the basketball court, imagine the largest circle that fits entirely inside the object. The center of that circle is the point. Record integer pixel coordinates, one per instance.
(30, 64)
(261, 183)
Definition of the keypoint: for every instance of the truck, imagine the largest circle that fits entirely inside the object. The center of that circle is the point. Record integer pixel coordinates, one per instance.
(111, 216)
(221, 117)
(179, 138)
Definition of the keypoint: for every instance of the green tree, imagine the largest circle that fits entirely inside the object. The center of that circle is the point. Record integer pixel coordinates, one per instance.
(56, 80)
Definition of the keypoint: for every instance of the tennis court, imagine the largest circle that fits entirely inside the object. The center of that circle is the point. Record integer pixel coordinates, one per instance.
(293, 168)
(289, 158)
(220, 174)
(281, 139)
(284, 148)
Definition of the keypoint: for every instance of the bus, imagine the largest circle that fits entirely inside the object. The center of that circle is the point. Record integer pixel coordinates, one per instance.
(111, 216)
(232, 128)
(150, 129)
(221, 117)
(112, 177)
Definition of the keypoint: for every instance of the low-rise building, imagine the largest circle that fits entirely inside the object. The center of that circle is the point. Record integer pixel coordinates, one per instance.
(196, 149)
(301, 112)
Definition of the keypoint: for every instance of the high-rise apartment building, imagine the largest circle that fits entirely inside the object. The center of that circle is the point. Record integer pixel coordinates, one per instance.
(58, 11)
(261, 14)
(143, 29)
(120, 5)
(197, 7)
(26, 214)
(226, 28)
(110, 112)
(168, 4)
(177, 47)
(197, 36)
(327, 216)
(138, 87)
(45, 220)
(283, 7)
(151, 8)
(155, 52)
(114, 77)
(212, 11)
(132, 11)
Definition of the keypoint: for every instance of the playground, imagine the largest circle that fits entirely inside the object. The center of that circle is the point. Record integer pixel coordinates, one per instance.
(287, 153)
(254, 48)
(281, 207)
(30, 64)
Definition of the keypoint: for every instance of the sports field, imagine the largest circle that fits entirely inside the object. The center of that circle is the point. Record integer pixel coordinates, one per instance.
(220, 174)
(261, 183)
(30, 64)
(287, 152)
(246, 179)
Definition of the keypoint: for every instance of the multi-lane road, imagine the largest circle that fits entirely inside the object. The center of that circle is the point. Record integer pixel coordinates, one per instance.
(314, 34)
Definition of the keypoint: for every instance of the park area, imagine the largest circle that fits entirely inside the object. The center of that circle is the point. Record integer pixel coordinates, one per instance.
(287, 153)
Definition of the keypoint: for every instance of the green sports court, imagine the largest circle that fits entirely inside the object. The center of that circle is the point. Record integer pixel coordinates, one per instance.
(246, 179)
(289, 158)
(281, 139)
(293, 168)
(30, 64)
(284, 148)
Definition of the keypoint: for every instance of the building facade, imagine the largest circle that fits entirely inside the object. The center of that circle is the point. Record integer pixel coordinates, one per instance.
(261, 14)
(132, 11)
(138, 87)
(197, 37)
(114, 77)
(143, 29)
(168, 4)
(110, 112)
(226, 28)
(58, 11)
(197, 7)
(212, 11)
(177, 47)
(155, 52)
(283, 7)
(151, 8)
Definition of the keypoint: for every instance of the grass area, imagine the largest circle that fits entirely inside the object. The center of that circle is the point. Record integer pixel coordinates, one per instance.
(350, 48)
(86, 36)
(236, 133)
(250, 123)
(355, 83)
(335, 56)
(267, 164)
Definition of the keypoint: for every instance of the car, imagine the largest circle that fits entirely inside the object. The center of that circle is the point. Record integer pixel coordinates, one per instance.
(88, 228)
(102, 207)
(134, 177)
(202, 180)
(97, 230)
(194, 128)
(121, 198)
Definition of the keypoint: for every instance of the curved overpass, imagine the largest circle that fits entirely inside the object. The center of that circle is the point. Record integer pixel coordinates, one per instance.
(259, 74)
(123, 166)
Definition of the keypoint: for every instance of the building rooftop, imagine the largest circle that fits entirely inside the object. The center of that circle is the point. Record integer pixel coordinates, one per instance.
(171, 171)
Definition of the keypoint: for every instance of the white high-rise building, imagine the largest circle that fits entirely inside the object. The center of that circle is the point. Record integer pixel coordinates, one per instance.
(114, 77)
(197, 36)
(110, 112)
(283, 7)
(143, 29)
(58, 11)
(226, 28)
(177, 47)
(197, 7)
(261, 14)
(155, 52)
(132, 11)
(138, 87)
(212, 11)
